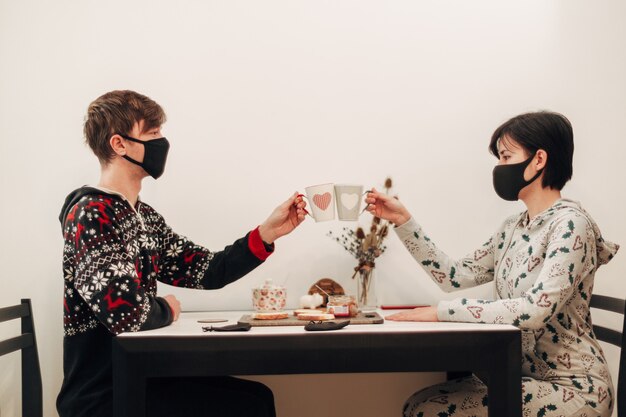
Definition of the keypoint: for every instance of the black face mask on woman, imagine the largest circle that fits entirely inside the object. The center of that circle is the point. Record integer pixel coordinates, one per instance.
(508, 180)
(154, 156)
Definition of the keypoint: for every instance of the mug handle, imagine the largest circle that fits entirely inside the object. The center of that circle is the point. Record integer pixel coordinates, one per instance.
(308, 201)
(367, 205)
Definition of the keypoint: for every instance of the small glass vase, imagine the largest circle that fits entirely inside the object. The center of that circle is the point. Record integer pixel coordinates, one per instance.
(366, 290)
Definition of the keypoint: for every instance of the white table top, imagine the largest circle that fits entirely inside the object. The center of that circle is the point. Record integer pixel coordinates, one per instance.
(187, 325)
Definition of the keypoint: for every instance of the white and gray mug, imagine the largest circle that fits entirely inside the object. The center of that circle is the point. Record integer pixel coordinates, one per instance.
(348, 198)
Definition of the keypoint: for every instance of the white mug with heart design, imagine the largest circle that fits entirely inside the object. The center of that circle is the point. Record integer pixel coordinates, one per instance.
(322, 201)
(348, 201)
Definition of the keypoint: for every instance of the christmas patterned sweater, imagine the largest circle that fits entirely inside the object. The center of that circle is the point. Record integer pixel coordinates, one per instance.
(112, 257)
(543, 270)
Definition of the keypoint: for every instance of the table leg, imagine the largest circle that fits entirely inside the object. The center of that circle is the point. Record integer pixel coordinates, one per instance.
(129, 386)
(505, 382)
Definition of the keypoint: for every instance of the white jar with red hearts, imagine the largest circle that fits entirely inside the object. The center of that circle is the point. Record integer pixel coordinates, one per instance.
(269, 297)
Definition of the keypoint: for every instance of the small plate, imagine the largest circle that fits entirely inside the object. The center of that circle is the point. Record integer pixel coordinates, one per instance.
(212, 320)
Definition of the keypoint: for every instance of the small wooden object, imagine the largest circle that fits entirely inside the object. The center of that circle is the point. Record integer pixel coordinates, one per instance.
(329, 285)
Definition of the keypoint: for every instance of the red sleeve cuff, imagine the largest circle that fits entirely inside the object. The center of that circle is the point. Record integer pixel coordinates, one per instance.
(257, 246)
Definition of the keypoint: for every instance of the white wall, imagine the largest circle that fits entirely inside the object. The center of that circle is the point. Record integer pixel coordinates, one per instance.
(267, 97)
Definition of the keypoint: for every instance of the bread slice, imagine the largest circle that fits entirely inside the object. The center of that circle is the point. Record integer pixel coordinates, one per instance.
(316, 316)
(273, 315)
(306, 311)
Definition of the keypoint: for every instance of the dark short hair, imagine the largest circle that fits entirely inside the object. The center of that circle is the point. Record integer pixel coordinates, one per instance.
(545, 130)
(116, 112)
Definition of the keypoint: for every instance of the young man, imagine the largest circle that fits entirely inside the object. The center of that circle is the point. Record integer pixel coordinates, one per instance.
(117, 247)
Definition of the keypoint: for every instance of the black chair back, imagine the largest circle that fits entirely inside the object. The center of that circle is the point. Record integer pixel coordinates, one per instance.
(615, 305)
(32, 403)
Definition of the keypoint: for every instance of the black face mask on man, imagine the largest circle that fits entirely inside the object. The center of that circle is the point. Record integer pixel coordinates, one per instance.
(508, 180)
(154, 156)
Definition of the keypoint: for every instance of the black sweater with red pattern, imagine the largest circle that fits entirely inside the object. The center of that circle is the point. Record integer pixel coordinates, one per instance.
(112, 257)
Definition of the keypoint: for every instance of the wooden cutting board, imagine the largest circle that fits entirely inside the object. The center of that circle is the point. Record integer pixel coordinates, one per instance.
(361, 318)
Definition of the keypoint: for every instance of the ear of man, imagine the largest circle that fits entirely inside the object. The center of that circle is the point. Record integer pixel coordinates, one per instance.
(118, 145)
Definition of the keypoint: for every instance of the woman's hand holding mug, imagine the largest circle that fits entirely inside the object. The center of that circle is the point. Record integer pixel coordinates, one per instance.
(386, 207)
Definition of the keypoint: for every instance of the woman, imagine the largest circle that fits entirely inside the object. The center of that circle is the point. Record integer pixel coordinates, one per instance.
(543, 262)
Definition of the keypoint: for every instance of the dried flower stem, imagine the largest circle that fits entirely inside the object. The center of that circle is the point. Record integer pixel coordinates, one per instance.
(365, 248)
